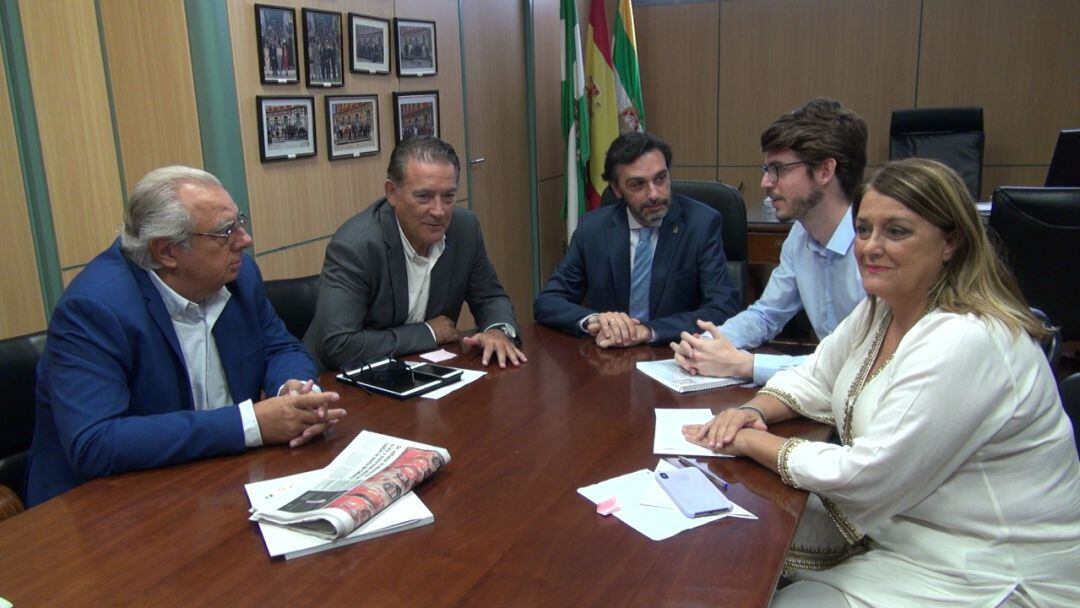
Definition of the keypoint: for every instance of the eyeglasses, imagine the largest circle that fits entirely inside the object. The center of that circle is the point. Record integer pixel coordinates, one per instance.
(227, 232)
(775, 170)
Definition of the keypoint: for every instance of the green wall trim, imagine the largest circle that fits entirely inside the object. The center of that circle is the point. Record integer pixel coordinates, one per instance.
(28, 139)
(112, 103)
(215, 96)
(530, 121)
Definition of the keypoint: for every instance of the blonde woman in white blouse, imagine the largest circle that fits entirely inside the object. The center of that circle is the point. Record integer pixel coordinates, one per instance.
(956, 479)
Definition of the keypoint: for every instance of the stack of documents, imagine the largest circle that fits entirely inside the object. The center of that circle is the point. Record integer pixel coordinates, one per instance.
(668, 373)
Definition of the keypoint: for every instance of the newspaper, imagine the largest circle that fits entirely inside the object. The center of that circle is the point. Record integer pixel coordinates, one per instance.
(372, 472)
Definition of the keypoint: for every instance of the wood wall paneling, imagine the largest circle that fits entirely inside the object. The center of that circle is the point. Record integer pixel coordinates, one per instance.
(696, 173)
(1010, 176)
(552, 226)
(497, 133)
(777, 54)
(295, 201)
(550, 147)
(152, 87)
(299, 261)
(747, 177)
(63, 51)
(21, 307)
(677, 49)
(1018, 60)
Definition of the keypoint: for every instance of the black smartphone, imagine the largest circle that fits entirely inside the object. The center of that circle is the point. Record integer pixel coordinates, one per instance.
(440, 371)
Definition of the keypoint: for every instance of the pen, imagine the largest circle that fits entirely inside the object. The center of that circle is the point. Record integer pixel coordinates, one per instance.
(713, 477)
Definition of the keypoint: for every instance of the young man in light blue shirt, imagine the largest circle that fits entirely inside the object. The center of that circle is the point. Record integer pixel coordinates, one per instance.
(814, 161)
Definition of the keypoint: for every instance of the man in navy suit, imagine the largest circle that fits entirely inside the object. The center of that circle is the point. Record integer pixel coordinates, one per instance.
(680, 274)
(159, 347)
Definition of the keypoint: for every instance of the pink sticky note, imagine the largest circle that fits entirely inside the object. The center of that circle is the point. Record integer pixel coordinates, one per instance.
(438, 355)
(608, 506)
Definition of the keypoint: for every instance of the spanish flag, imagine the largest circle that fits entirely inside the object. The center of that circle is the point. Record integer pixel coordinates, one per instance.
(603, 110)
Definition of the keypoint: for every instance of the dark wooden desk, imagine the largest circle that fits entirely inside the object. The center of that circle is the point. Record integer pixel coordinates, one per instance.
(510, 528)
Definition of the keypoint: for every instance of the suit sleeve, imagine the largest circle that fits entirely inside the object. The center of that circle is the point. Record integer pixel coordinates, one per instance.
(558, 305)
(719, 298)
(340, 333)
(90, 360)
(487, 299)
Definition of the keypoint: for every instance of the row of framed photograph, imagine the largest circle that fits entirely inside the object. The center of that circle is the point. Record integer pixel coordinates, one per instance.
(369, 44)
(287, 124)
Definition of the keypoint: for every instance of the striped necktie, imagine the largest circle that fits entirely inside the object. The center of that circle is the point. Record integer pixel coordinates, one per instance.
(640, 274)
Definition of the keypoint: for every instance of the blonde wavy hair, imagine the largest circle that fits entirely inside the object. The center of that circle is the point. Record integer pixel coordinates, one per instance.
(975, 280)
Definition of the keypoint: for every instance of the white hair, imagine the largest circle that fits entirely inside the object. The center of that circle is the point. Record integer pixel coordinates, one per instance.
(154, 211)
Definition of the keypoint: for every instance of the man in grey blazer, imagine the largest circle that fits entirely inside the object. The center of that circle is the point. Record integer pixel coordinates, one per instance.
(396, 274)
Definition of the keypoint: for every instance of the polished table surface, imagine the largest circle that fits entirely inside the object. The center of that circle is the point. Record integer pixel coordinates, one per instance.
(510, 528)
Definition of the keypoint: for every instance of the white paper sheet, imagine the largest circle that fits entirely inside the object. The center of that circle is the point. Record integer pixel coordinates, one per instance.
(669, 440)
(467, 376)
(438, 355)
(655, 520)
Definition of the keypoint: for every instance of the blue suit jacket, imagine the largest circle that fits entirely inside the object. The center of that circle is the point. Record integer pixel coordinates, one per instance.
(113, 390)
(689, 278)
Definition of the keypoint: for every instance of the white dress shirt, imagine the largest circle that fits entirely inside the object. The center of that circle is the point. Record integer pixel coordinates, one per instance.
(194, 324)
(419, 267)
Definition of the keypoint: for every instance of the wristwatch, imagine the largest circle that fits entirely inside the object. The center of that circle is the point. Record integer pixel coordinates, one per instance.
(510, 333)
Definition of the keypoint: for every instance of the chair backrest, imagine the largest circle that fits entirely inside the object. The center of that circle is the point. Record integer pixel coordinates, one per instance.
(1070, 400)
(953, 136)
(18, 376)
(1039, 229)
(294, 301)
(729, 203)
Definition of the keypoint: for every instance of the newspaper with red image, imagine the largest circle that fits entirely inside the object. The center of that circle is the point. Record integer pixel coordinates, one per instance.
(371, 473)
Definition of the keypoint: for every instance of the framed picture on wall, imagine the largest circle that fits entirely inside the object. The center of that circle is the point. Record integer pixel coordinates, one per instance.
(286, 127)
(275, 31)
(416, 114)
(352, 126)
(369, 44)
(416, 54)
(322, 48)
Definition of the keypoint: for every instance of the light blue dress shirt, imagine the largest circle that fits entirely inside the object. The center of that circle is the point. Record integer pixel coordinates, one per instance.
(823, 280)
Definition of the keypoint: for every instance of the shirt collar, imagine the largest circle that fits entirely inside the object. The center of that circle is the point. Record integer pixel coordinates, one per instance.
(843, 236)
(634, 224)
(416, 258)
(183, 309)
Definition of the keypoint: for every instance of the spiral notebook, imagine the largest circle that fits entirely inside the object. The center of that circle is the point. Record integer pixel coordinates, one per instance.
(668, 373)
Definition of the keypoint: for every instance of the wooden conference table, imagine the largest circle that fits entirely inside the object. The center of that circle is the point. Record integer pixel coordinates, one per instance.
(510, 528)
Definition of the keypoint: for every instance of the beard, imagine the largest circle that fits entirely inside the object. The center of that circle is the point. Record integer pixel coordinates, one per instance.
(799, 207)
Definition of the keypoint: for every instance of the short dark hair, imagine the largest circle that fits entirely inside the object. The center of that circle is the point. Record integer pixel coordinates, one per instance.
(821, 129)
(629, 147)
(422, 149)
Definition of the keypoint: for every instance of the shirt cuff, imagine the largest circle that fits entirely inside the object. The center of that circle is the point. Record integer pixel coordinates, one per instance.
(583, 322)
(430, 329)
(315, 388)
(252, 435)
(767, 366)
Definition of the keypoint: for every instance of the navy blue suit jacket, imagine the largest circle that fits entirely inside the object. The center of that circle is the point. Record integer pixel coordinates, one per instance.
(689, 278)
(113, 390)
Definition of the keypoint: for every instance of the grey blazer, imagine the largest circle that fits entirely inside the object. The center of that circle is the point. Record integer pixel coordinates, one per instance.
(364, 290)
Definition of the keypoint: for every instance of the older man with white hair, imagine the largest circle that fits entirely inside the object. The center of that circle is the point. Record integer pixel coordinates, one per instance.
(160, 347)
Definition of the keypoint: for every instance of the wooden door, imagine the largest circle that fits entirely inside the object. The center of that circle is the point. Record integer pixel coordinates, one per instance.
(497, 140)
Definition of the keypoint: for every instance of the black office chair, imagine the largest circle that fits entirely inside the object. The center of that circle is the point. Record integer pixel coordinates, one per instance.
(1070, 400)
(294, 301)
(726, 200)
(953, 136)
(18, 376)
(1039, 231)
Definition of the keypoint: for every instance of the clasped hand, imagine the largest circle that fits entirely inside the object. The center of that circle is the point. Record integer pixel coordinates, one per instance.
(720, 434)
(617, 329)
(297, 415)
(696, 354)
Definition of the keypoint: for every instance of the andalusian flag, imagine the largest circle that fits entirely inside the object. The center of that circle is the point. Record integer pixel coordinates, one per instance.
(603, 118)
(575, 116)
(627, 77)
